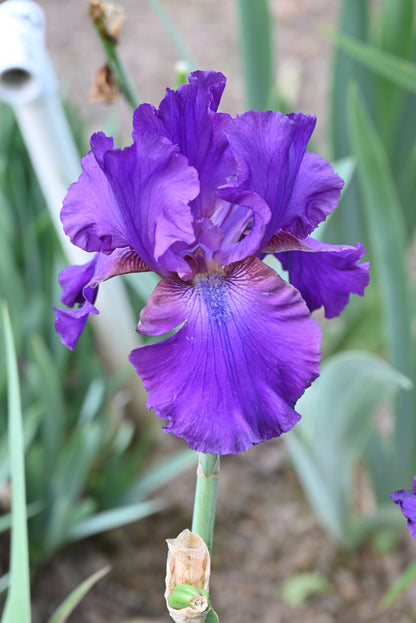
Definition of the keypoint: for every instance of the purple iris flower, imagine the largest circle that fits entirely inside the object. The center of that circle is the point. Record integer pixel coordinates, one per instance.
(406, 501)
(200, 198)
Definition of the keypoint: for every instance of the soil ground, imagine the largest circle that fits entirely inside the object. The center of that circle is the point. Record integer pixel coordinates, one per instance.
(265, 534)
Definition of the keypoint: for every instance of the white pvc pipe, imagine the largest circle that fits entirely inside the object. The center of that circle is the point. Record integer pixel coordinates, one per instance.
(29, 85)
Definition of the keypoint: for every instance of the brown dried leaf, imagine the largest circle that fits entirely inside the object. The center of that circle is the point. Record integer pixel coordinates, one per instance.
(104, 87)
(109, 18)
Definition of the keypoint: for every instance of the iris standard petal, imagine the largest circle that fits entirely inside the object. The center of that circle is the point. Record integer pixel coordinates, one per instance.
(315, 194)
(243, 227)
(269, 148)
(137, 197)
(224, 380)
(89, 212)
(188, 118)
(153, 184)
(325, 274)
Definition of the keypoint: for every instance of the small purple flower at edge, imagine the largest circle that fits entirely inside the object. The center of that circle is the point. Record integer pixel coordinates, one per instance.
(200, 198)
(406, 501)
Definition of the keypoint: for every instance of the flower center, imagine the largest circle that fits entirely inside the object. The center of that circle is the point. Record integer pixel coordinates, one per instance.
(213, 291)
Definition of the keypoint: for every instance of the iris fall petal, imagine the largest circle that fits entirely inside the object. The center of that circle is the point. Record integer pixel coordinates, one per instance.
(224, 380)
(326, 274)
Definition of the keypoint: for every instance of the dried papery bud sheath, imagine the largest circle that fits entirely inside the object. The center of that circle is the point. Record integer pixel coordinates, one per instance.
(187, 578)
(108, 17)
(104, 87)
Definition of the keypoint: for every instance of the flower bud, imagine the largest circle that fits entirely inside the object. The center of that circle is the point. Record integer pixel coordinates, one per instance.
(185, 595)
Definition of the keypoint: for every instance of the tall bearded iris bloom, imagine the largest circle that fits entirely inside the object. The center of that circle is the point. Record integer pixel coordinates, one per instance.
(200, 198)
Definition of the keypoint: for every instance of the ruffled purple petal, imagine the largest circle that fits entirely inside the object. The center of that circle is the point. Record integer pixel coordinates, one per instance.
(80, 286)
(243, 226)
(90, 213)
(231, 375)
(76, 289)
(70, 323)
(406, 501)
(188, 118)
(153, 184)
(73, 280)
(137, 197)
(325, 274)
(315, 194)
(269, 148)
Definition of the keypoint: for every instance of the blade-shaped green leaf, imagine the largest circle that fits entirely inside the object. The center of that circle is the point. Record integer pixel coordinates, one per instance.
(159, 475)
(337, 419)
(407, 578)
(399, 71)
(31, 425)
(32, 510)
(4, 583)
(173, 33)
(346, 224)
(397, 27)
(328, 502)
(350, 385)
(48, 382)
(256, 51)
(300, 587)
(17, 606)
(396, 40)
(63, 612)
(407, 179)
(353, 22)
(388, 238)
(68, 482)
(212, 617)
(114, 518)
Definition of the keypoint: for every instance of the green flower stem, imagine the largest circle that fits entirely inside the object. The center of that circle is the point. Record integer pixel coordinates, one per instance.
(117, 68)
(206, 497)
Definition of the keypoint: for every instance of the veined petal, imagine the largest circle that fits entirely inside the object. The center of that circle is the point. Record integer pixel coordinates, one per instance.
(230, 377)
(153, 184)
(241, 241)
(80, 286)
(70, 323)
(315, 194)
(73, 280)
(325, 274)
(76, 289)
(188, 118)
(89, 212)
(137, 197)
(269, 148)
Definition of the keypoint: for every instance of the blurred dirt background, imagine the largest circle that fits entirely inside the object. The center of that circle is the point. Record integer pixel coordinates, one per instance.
(265, 534)
(209, 29)
(265, 530)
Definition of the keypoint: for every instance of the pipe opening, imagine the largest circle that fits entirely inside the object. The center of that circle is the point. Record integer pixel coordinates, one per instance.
(15, 78)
